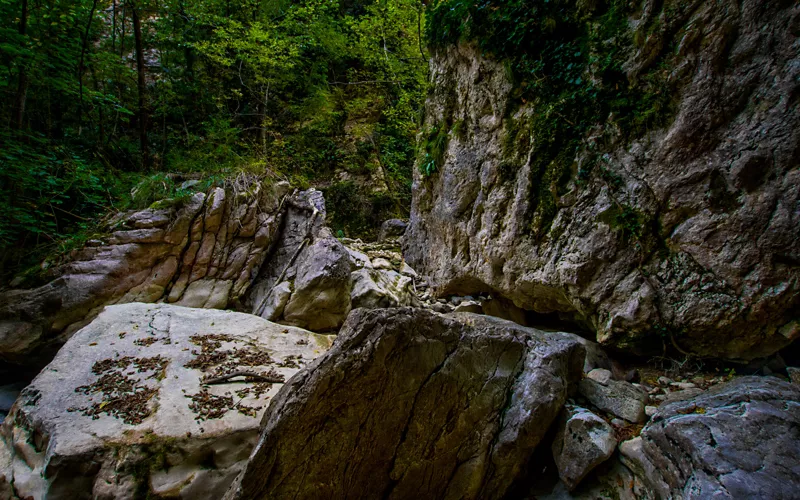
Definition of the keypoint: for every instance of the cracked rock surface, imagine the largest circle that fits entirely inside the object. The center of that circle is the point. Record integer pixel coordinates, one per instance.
(123, 411)
(740, 439)
(408, 404)
(202, 253)
(714, 264)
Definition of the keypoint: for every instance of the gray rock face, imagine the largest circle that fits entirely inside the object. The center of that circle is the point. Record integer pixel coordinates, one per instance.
(315, 265)
(321, 297)
(204, 253)
(715, 265)
(615, 396)
(392, 228)
(373, 288)
(122, 412)
(583, 442)
(737, 440)
(411, 404)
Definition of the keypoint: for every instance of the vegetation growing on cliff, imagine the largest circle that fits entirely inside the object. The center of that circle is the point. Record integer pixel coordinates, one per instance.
(566, 58)
(101, 94)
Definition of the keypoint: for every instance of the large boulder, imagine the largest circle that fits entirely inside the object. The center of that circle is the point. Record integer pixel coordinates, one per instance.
(392, 228)
(321, 296)
(123, 411)
(583, 441)
(617, 397)
(374, 288)
(204, 251)
(737, 440)
(679, 234)
(409, 404)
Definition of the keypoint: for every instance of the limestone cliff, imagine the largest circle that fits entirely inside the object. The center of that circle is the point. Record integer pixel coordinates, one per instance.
(681, 232)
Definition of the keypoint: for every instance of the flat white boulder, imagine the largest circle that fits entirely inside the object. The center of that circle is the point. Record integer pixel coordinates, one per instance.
(146, 400)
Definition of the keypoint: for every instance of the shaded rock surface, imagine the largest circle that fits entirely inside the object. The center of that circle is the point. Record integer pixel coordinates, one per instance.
(714, 261)
(411, 404)
(122, 412)
(583, 442)
(373, 288)
(392, 228)
(617, 397)
(740, 439)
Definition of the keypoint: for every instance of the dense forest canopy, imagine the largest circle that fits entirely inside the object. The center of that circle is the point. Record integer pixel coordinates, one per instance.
(104, 96)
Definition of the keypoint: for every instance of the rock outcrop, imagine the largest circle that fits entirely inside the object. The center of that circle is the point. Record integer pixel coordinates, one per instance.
(201, 252)
(252, 247)
(737, 440)
(123, 410)
(685, 236)
(408, 404)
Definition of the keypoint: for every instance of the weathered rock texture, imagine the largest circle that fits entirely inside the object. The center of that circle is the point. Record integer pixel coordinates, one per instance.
(121, 411)
(412, 404)
(261, 250)
(737, 440)
(688, 234)
(583, 442)
(205, 252)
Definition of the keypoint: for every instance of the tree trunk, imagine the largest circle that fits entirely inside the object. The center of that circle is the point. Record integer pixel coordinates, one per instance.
(142, 85)
(22, 84)
(81, 67)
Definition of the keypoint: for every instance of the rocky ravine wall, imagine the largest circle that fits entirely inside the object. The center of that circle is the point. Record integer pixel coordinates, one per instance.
(712, 263)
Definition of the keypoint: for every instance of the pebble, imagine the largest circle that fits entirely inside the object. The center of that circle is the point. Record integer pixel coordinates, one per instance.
(664, 380)
(683, 385)
(617, 422)
(660, 397)
(650, 410)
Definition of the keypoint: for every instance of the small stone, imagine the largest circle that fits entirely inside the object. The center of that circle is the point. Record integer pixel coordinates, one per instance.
(682, 395)
(617, 422)
(600, 375)
(469, 306)
(407, 270)
(442, 308)
(683, 385)
(381, 263)
(650, 410)
(664, 380)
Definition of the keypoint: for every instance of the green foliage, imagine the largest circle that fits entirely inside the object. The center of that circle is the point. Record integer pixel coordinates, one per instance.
(565, 57)
(433, 149)
(355, 213)
(625, 219)
(296, 89)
